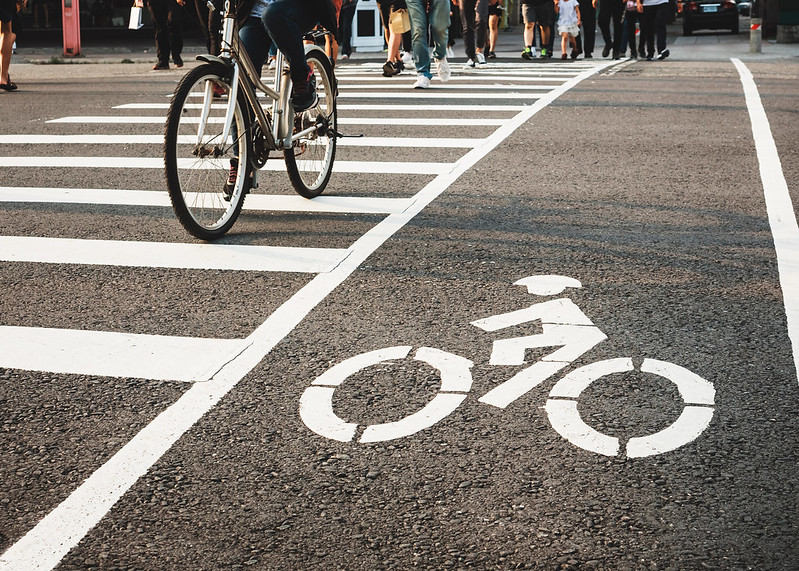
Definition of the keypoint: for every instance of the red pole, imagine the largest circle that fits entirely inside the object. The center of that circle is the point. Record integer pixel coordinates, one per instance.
(71, 26)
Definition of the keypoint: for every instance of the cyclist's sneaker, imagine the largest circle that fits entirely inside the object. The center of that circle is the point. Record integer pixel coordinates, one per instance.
(217, 90)
(442, 66)
(481, 59)
(528, 53)
(422, 82)
(303, 95)
(230, 185)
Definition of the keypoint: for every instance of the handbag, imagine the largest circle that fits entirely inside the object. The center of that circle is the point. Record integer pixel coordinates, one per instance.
(399, 22)
(135, 22)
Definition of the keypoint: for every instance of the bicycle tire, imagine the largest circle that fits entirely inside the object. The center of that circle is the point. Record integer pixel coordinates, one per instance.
(197, 174)
(309, 162)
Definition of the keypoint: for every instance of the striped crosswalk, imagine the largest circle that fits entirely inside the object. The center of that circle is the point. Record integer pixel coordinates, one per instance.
(487, 104)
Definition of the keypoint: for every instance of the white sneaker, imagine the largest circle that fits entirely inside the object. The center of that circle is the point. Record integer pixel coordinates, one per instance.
(469, 63)
(443, 69)
(450, 53)
(481, 59)
(407, 58)
(422, 82)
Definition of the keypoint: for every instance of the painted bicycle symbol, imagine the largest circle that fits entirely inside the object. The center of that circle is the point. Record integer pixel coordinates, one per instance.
(564, 326)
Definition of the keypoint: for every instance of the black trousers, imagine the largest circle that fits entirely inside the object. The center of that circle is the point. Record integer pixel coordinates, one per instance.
(168, 22)
(653, 25)
(210, 24)
(345, 29)
(588, 17)
(611, 11)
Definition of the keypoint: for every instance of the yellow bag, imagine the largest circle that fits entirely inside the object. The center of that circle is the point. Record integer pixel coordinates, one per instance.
(399, 22)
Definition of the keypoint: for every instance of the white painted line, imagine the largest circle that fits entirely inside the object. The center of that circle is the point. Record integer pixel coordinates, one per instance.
(158, 120)
(56, 534)
(169, 255)
(110, 354)
(365, 107)
(373, 167)
(345, 88)
(432, 142)
(435, 92)
(779, 206)
(474, 79)
(264, 202)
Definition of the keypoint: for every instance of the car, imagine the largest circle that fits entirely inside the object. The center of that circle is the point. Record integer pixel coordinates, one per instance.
(744, 7)
(709, 15)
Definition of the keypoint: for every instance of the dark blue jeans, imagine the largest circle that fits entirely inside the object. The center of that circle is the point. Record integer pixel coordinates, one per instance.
(287, 21)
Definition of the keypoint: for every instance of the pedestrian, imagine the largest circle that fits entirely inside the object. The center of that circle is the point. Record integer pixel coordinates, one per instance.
(345, 27)
(611, 11)
(435, 14)
(495, 10)
(167, 18)
(210, 24)
(9, 26)
(568, 26)
(542, 14)
(474, 20)
(655, 14)
(631, 16)
(587, 38)
(398, 24)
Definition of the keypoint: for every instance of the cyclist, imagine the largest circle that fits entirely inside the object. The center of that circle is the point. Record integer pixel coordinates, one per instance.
(285, 22)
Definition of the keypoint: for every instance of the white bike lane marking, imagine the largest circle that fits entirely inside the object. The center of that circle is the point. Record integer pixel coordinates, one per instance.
(779, 206)
(56, 534)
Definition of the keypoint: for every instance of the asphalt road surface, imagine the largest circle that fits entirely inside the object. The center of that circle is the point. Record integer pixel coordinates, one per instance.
(546, 323)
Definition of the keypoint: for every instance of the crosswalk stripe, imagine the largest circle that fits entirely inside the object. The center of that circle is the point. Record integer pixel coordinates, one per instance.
(169, 255)
(372, 167)
(263, 202)
(111, 354)
(160, 120)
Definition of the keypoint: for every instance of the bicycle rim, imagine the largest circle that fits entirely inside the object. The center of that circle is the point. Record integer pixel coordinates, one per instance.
(197, 168)
(310, 160)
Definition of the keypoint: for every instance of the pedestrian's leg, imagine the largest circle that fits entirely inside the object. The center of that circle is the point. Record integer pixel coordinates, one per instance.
(175, 25)
(421, 53)
(439, 27)
(604, 25)
(661, 19)
(159, 14)
(287, 21)
(480, 25)
(6, 43)
(467, 21)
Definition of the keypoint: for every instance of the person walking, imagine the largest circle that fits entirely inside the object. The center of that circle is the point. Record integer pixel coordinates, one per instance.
(587, 38)
(541, 13)
(611, 12)
(631, 16)
(474, 19)
(345, 27)
(435, 14)
(9, 25)
(210, 24)
(495, 9)
(655, 15)
(167, 18)
(568, 26)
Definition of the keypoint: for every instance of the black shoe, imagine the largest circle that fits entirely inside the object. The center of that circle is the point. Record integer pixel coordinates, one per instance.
(664, 54)
(633, 54)
(161, 65)
(616, 54)
(589, 55)
(303, 95)
(231, 179)
(649, 58)
(178, 61)
(605, 51)
(491, 55)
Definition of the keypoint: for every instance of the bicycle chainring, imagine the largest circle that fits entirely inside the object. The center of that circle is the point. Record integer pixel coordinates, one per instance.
(259, 147)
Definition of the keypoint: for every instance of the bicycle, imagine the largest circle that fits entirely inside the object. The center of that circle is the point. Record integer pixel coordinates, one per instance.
(565, 326)
(218, 135)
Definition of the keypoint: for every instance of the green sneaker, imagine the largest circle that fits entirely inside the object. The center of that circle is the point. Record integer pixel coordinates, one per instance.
(528, 53)
(544, 52)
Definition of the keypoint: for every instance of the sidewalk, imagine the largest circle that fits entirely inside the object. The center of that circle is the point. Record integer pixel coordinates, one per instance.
(700, 46)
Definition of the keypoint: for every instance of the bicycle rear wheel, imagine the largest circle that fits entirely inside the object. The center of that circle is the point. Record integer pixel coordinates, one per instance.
(310, 160)
(206, 193)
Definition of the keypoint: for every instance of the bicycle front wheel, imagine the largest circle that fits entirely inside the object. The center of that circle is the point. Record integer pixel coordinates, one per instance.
(309, 161)
(207, 177)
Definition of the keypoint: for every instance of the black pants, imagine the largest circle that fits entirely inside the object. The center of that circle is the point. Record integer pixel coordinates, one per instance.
(345, 29)
(588, 18)
(167, 18)
(210, 24)
(653, 25)
(474, 20)
(611, 11)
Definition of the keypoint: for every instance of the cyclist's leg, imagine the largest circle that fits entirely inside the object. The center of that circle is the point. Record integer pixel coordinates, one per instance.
(287, 21)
